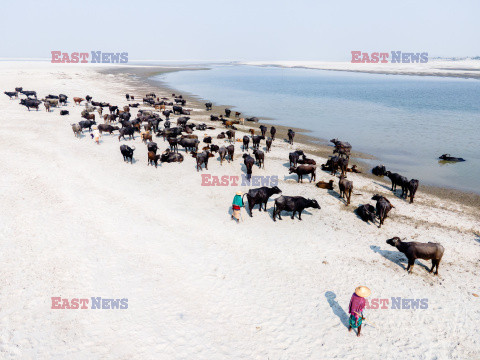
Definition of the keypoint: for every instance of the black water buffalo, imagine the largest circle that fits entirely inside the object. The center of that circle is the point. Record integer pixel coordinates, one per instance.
(113, 109)
(214, 118)
(366, 212)
(87, 124)
(152, 146)
(230, 151)
(29, 93)
(18, 89)
(304, 170)
(130, 131)
(383, 207)
(182, 120)
(230, 135)
(248, 161)
(273, 131)
(30, 103)
(189, 144)
(337, 162)
(291, 135)
(88, 98)
(293, 204)
(214, 148)
(11, 94)
(127, 152)
(412, 187)
(259, 157)
(107, 128)
(169, 157)
(208, 106)
(294, 156)
(447, 157)
(263, 130)
(169, 132)
(254, 119)
(306, 161)
(202, 158)
(180, 101)
(346, 188)
(260, 196)
(62, 99)
(64, 112)
(173, 142)
(222, 152)
(399, 180)
(228, 112)
(269, 144)
(379, 170)
(177, 110)
(246, 141)
(256, 141)
(167, 113)
(415, 250)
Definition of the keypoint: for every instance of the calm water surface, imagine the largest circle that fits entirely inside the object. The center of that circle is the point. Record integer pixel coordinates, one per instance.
(405, 121)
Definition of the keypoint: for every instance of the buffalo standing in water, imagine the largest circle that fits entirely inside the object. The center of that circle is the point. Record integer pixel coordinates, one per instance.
(447, 157)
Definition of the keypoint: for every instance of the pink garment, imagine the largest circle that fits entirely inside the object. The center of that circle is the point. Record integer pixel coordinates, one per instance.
(357, 304)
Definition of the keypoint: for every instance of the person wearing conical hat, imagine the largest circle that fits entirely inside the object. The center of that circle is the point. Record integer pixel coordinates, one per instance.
(96, 134)
(355, 309)
(237, 206)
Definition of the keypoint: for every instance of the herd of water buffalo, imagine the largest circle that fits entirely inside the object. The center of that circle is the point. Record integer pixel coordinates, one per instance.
(147, 122)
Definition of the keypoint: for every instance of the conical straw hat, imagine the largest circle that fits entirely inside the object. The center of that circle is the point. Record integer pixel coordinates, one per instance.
(363, 291)
(239, 193)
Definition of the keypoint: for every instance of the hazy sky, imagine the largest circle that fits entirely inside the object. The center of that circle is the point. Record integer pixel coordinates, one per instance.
(240, 29)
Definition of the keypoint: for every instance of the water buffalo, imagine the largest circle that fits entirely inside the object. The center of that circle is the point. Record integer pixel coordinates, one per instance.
(77, 130)
(325, 185)
(152, 146)
(346, 188)
(291, 135)
(263, 130)
(173, 142)
(11, 94)
(246, 141)
(30, 103)
(259, 157)
(273, 131)
(202, 158)
(227, 112)
(208, 106)
(447, 157)
(130, 131)
(64, 112)
(167, 113)
(169, 157)
(78, 100)
(153, 158)
(304, 170)
(415, 250)
(412, 187)
(127, 152)
(306, 161)
(87, 124)
(231, 135)
(177, 110)
(379, 170)
(399, 180)
(294, 156)
(107, 128)
(189, 144)
(366, 212)
(260, 196)
(222, 152)
(293, 204)
(248, 161)
(256, 141)
(28, 93)
(230, 151)
(269, 144)
(383, 207)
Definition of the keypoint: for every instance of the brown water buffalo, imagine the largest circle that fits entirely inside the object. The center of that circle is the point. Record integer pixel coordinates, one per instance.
(302, 170)
(346, 188)
(325, 185)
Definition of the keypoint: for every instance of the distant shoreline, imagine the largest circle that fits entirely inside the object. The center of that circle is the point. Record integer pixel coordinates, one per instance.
(464, 69)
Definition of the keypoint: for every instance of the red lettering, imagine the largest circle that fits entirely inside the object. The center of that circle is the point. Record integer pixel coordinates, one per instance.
(56, 59)
(55, 302)
(356, 56)
(384, 57)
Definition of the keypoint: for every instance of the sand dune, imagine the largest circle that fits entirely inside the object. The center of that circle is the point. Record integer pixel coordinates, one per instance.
(76, 221)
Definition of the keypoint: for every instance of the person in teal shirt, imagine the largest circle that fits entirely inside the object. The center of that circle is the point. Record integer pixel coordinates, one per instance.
(237, 206)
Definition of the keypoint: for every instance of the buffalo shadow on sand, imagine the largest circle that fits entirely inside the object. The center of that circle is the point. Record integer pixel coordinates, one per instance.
(396, 257)
(336, 308)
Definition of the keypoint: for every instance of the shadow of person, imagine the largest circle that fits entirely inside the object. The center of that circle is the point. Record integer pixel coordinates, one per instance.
(336, 308)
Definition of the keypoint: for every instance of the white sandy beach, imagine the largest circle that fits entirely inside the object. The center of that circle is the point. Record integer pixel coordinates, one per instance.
(459, 68)
(78, 222)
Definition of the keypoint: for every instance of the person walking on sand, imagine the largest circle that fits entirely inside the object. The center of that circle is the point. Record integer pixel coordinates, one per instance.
(96, 135)
(237, 206)
(355, 309)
